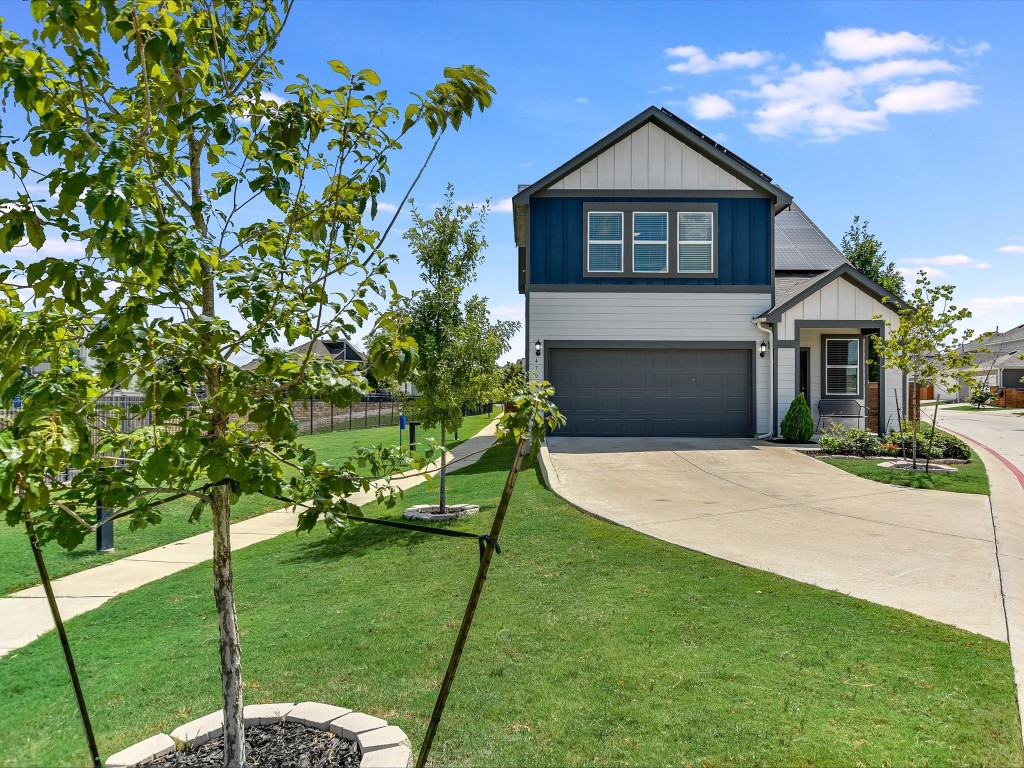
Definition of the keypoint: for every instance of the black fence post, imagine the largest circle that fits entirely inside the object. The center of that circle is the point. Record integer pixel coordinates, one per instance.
(105, 527)
(380, 404)
(332, 417)
(311, 414)
(412, 435)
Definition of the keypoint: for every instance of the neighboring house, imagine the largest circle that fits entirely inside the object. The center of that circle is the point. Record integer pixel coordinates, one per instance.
(673, 289)
(998, 362)
(341, 350)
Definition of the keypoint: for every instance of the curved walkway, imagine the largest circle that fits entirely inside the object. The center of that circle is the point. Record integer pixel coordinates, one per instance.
(998, 437)
(932, 553)
(25, 615)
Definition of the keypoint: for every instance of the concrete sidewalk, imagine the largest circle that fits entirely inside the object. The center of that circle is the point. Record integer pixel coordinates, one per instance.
(25, 615)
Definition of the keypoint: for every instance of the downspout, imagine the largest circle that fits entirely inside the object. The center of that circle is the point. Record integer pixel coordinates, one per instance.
(769, 329)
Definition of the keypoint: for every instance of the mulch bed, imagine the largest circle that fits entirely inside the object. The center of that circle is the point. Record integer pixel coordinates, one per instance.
(288, 745)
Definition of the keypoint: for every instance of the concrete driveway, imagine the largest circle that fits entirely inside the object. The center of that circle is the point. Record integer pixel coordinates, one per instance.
(769, 507)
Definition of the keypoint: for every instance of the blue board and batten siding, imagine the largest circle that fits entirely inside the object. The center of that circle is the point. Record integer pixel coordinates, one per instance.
(557, 244)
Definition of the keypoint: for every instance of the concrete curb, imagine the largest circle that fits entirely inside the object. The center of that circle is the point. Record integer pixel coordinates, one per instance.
(380, 745)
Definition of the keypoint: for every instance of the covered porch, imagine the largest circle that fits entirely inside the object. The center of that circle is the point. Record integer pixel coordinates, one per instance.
(822, 327)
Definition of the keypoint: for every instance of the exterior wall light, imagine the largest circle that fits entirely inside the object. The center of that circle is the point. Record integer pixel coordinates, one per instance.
(536, 347)
(764, 348)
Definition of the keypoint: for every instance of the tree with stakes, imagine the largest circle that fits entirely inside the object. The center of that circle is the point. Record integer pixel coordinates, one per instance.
(926, 345)
(459, 345)
(154, 138)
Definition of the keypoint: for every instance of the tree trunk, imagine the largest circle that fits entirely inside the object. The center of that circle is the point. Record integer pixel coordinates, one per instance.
(931, 438)
(230, 648)
(444, 471)
(220, 509)
(916, 412)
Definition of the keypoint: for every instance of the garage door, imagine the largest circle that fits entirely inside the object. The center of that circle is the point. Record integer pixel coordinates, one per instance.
(653, 392)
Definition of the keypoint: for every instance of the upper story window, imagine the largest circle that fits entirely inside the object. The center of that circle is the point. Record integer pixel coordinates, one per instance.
(842, 367)
(663, 239)
(650, 242)
(696, 248)
(604, 241)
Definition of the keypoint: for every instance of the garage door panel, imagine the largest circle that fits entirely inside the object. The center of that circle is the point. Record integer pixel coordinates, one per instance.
(684, 392)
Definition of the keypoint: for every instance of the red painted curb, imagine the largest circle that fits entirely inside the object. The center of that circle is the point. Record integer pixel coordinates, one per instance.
(1006, 462)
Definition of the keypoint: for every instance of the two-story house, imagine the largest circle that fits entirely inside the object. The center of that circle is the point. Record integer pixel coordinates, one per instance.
(673, 289)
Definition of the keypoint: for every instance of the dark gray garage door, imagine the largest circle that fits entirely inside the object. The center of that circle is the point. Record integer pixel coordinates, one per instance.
(653, 392)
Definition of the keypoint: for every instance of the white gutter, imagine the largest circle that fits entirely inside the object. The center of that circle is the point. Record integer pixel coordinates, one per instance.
(767, 328)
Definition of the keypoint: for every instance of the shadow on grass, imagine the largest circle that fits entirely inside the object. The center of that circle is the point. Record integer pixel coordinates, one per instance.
(464, 486)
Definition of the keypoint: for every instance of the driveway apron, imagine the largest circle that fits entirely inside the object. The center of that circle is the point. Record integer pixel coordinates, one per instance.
(928, 552)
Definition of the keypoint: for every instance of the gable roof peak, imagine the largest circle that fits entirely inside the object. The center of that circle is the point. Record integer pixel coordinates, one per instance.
(683, 132)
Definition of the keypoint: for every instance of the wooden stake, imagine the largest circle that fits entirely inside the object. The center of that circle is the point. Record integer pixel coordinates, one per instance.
(474, 599)
(65, 645)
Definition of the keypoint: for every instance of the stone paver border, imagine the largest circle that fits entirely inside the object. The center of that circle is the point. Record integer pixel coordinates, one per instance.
(380, 745)
(430, 511)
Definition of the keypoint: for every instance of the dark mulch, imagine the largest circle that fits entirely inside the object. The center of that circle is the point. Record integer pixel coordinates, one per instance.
(288, 745)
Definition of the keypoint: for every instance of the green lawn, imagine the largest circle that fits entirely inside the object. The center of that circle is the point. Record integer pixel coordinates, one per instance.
(969, 478)
(593, 645)
(987, 409)
(19, 568)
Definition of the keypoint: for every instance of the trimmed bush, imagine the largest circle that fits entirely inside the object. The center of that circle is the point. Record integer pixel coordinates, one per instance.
(944, 445)
(798, 426)
(838, 439)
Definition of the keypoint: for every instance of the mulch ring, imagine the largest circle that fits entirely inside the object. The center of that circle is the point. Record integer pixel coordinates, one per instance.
(287, 745)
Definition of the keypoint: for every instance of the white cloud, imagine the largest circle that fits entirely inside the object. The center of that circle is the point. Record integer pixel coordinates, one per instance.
(952, 260)
(581, 100)
(936, 96)
(268, 96)
(696, 62)
(502, 206)
(1011, 249)
(509, 312)
(710, 106)
(386, 207)
(865, 44)
(53, 247)
(972, 50)
(832, 101)
(986, 306)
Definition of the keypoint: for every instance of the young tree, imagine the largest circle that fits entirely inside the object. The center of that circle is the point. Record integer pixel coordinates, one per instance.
(925, 343)
(459, 345)
(154, 139)
(864, 251)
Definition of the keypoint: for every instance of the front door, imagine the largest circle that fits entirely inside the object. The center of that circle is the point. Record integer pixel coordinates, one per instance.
(805, 373)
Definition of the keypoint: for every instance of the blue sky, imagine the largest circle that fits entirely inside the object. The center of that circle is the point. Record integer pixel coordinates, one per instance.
(908, 114)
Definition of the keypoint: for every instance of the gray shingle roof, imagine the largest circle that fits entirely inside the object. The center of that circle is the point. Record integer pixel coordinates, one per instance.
(801, 246)
(1004, 349)
(786, 286)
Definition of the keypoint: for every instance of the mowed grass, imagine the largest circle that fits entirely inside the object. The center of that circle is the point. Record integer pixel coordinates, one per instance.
(593, 645)
(968, 478)
(986, 409)
(19, 570)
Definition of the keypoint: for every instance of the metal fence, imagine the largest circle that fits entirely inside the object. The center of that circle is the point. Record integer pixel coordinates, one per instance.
(121, 412)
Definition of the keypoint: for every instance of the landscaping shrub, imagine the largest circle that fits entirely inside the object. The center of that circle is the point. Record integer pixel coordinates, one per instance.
(981, 394)
(838, 439)
(798, 426)
(943, 446)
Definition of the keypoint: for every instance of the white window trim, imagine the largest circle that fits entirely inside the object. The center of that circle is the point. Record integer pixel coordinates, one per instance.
(855, 366)
(650, 242)
(621, 243)
(680, 243)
